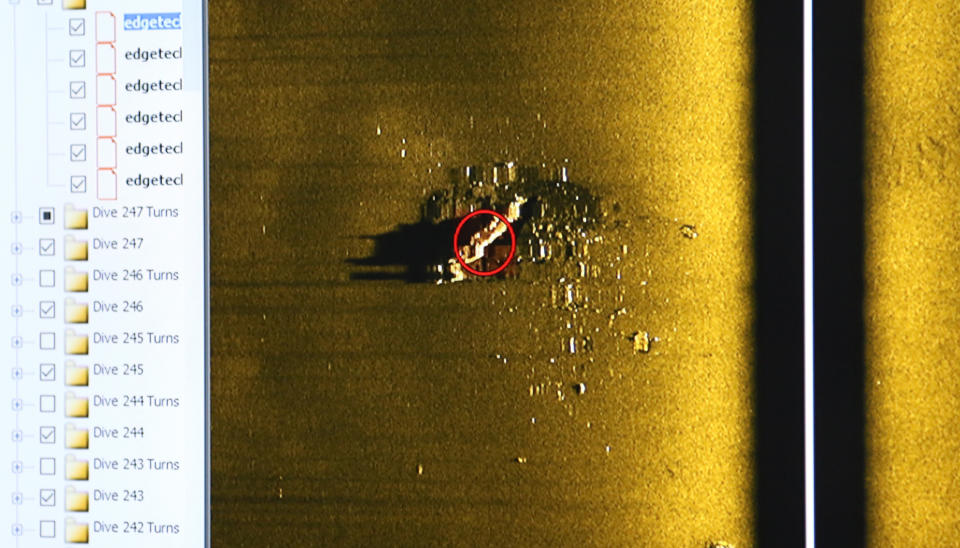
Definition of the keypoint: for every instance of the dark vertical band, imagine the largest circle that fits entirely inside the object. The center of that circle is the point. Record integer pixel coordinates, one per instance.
(778, 237)
(839, 272)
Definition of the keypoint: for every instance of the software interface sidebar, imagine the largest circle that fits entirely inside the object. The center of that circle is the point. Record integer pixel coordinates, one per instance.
(103, 289)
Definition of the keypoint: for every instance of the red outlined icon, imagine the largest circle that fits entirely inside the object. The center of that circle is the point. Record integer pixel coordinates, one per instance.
(106, 184)
(106, 27)
(106, 121)
(106, 58)
(513, 243)
(106, 90)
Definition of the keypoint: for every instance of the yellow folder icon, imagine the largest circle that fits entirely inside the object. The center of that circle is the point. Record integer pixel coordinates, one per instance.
(76, 406)
(74, 312)
(74, 4)
(76, 469)
(76, 501)
(75, 532)
(76, 345)
(76, 375)
(74, 218)
(74, 249)
(77, 438)
(75, 281)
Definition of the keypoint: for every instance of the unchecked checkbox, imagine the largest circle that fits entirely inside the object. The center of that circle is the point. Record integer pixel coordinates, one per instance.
(78, 90)
(48, 309)
(48, 529)
(47, 278)
(48, 466)
(48, 497)
(78, 58)
(78, 27)
(48, 341)
(78, 153)
(78, 184)
(48, 434)
(47, 247)
(78, 121)
(48, 403)
(48, 372)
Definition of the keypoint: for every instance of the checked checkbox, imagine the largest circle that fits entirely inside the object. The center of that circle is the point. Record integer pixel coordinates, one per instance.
(48, 372)
(78, 121)
(48, 497)
(78, 27)
(48, 309)
(78, 184)
(78, 58)
(48, 434)
(78, 90)
(78, 153)
(47, 247)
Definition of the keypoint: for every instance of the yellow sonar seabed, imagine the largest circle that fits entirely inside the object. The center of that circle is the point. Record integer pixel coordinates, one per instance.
(912, 272)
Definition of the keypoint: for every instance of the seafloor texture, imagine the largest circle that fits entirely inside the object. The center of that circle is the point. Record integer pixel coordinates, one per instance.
(913, 207)
(377, 412)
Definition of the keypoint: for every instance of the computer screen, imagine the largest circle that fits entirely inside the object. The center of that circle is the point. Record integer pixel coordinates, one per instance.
(105, 314)
(478, 272)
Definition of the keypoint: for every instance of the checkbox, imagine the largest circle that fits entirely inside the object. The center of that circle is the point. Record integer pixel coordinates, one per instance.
(48, 278)
(48, 372)
(48, 341)
(78, 184)
(78, 27)
(48, 466)
(48, 403)
(78, 90)
(48, 528)
(47, 246)
(48, 434)
(48, 497)
(78, 121)
(46, 215)
(78, 58)
(78, 153)
(48, 310)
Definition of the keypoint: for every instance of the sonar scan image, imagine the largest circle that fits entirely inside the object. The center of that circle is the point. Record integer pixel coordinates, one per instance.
(482, 274)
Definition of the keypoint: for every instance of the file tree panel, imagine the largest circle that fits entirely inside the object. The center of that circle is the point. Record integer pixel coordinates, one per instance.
(103, 290)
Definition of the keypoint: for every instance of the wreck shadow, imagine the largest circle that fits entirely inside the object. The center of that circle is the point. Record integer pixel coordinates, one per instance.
(406, 253)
